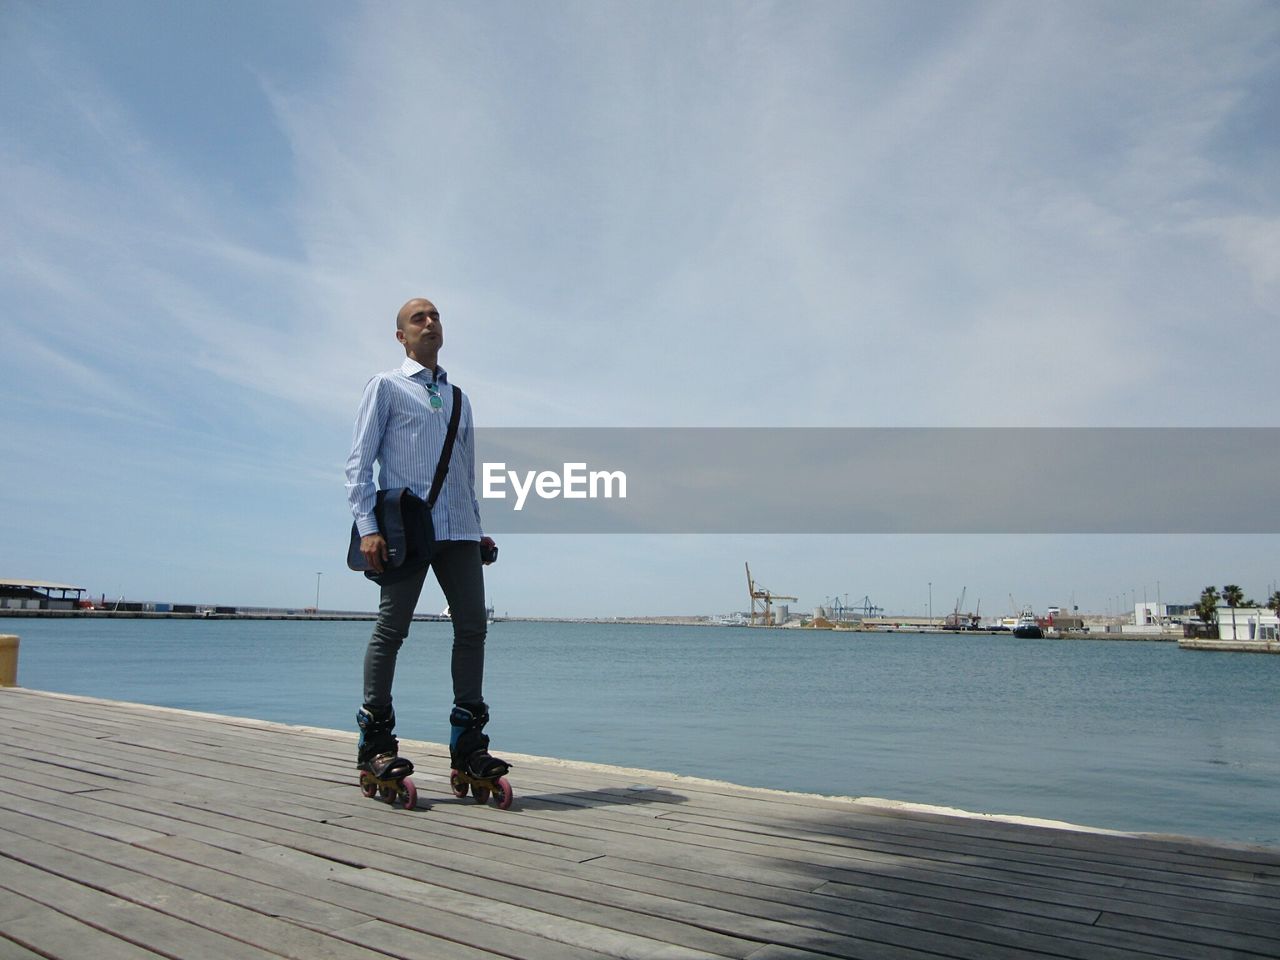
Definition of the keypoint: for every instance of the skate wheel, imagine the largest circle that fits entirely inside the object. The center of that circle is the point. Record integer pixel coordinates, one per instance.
(408, 794)
(458, 785)
(480, 793)
(502, 794)
(368, 787)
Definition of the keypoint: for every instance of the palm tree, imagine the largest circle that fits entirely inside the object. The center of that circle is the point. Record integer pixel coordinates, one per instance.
(1233, 597)
(1274, 601)
(1207, 608)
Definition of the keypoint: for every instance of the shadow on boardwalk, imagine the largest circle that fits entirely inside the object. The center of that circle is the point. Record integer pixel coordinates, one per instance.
(591, 799)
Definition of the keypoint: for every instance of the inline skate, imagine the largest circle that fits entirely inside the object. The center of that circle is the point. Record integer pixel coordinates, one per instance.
(474, 769)
(383, 773)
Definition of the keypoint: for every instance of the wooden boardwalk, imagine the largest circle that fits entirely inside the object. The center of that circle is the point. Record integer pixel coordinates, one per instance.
(129, 831)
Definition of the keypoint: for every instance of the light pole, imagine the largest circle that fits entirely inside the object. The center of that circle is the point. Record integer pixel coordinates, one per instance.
(317, 591)
(931, 600)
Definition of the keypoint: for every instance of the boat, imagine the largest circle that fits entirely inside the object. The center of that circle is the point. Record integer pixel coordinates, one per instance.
(1027, 627)
(488, 614)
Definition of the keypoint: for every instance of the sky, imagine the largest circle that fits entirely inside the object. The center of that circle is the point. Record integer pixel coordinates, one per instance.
(848, 214)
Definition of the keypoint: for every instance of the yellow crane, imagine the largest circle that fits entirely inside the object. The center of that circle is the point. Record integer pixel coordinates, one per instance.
(761, 601)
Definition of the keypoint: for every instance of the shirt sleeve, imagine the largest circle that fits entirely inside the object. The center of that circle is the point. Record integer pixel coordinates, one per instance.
(371, 421)
(469, 448)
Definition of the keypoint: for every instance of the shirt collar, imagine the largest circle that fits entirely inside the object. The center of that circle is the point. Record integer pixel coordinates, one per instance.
(411, 367)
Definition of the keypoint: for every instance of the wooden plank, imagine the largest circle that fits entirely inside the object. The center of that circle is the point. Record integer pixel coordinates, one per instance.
(813, 849)
(414, 832)
(124, 920)
(97, 805)
(1162, 913)
(886, 889)
(606, 939)
(1018, 847)
(34, 926)
(23, 802)
(24, 845)
(288, 927)
(161, 728)
(774, 951)
(323, 880)
(1242, 936)
(550, 892)
(129, 762)
(847, 881)
(86, 774)
(401, 941)
(115, 867)
(11, 950)
(579, 929)
(279, 936)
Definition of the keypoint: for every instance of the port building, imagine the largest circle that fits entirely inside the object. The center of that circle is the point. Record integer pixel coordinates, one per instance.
(1248, 623)
(39, 595)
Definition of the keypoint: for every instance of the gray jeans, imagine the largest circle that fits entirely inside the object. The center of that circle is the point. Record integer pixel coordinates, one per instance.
(460, 574)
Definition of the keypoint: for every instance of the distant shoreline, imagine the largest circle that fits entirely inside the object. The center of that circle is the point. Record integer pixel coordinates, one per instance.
(184, 615)
(657, 621)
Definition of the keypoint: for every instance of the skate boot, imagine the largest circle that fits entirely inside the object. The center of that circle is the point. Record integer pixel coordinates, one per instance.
(473, 768)
(383, 773)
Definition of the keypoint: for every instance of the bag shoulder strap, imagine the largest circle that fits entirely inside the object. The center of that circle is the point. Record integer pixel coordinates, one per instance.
(442, 468)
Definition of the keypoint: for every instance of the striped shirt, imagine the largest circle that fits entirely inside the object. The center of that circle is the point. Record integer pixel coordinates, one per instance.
(397, 427)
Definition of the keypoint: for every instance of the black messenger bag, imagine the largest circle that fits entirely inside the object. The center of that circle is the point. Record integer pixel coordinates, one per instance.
(404, 520)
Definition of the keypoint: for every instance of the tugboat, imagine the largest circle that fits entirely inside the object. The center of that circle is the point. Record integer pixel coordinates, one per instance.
(1027, 628)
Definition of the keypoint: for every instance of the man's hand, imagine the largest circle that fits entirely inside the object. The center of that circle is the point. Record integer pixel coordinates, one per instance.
(374, 549)
(488, 549)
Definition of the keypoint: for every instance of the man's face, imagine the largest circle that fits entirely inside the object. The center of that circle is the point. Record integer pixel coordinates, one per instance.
(418, 327)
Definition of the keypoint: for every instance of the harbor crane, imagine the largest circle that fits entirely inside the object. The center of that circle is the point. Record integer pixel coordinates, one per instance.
(761, 601)
(866, 607)
(962, 621)
(953, 621)
(843, 611)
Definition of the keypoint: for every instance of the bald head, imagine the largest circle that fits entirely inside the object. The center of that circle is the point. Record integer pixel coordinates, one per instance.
(418, 329)
(414, 305)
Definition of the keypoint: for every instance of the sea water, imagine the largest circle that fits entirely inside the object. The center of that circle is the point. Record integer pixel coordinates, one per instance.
(1122, 735)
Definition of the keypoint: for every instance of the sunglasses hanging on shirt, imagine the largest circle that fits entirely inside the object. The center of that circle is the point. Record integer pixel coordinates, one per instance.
(434, 392)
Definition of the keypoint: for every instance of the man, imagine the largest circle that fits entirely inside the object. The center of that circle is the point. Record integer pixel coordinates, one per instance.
(402, 423)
